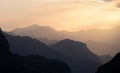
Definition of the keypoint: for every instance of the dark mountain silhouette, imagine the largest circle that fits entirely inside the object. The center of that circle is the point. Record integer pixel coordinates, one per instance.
(27, 46)
(10, 63)
(37, 31)
(75, 54)
(82, 60)
(5, 56)
(73, 47)
(112, 66)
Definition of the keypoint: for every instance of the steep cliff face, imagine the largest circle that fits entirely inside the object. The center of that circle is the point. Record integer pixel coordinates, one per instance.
(10, 63)
(112, 66)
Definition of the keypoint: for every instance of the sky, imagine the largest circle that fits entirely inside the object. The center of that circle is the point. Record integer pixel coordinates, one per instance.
(62, 15)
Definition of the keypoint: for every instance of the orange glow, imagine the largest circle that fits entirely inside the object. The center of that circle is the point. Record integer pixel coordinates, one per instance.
(69, 16)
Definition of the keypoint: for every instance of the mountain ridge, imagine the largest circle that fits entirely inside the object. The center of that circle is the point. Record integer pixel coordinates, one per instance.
(79, 55)
(37, 31)
(97, 35)
(77, 60)
(11, 63)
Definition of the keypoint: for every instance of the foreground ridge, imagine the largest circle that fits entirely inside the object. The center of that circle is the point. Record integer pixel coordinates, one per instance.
(112, 66)
(11, 63)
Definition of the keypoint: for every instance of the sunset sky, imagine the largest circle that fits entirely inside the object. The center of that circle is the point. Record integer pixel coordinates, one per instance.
(69, 15)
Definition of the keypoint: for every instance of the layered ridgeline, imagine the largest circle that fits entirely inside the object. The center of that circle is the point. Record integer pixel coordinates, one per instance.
(27, 46)
(94, 38)
(74, 53)
(11, 63)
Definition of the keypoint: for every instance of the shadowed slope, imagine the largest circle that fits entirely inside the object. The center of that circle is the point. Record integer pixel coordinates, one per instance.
(27, 46)
(81, 59)
(111, 67)
(10, 63)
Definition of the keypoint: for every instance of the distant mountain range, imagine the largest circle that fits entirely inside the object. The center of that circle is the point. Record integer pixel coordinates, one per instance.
(74, 53)
(37, 31)
(105, 39)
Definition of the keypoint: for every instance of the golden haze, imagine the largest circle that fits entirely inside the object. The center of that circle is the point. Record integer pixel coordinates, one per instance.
(63, 15)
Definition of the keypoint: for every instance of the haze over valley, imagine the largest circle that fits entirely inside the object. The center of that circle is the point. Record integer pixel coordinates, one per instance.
(62, 15)
(101, 42)
(59, 36)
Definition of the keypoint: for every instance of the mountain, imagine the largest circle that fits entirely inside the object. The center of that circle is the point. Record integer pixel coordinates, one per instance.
(72, 46)
(27, 46)
(82, 60)
(108, 38)
(75, 54)
(36, 31)
(112, 66)
(11, 63)
(47, 41)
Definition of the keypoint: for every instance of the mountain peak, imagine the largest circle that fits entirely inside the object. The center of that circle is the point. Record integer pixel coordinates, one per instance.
(34, 25)
(75, 50)
(72, 45)
(38, 26)
(72, 42)
(37, 31)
